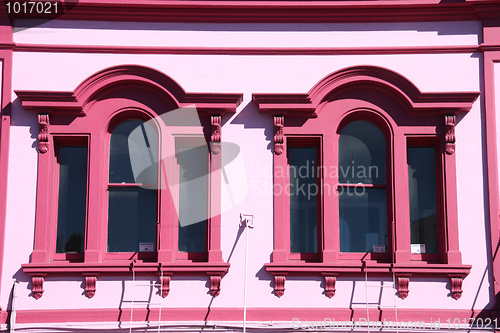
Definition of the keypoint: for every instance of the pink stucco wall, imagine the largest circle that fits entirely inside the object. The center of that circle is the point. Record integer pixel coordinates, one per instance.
(253, 132)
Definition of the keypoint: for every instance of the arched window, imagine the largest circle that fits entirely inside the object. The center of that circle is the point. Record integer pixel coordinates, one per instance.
(377, 191)
(132, 188)
(362, 188)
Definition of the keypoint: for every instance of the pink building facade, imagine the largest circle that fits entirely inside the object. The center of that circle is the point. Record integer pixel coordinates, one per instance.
(261, 166)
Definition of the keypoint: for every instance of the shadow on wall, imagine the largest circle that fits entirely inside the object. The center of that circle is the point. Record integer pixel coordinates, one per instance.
(23, 118)
(441, 28)
(250, 117)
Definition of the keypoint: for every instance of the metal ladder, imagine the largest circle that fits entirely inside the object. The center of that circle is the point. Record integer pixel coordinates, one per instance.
(378, 305)
(147, 302)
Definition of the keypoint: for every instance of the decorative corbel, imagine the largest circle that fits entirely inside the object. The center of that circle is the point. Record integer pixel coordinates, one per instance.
(43, 133)
(164, 285)
(403, 285)
(330, 281)
(279, 122)
(279, 285)
(216, 133)
(215, 285)
(37, 289)
(450, 134)
(90, 284)
(456, 285)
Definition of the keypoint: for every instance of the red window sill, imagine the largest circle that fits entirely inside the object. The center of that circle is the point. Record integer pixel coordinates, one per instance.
(402, 272)
(90, 271)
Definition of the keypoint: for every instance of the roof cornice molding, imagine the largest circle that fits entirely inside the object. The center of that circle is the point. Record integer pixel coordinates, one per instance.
(272, 11)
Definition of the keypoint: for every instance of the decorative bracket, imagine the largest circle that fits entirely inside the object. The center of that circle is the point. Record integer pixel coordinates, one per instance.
(456, 285)
(279, 285)
(403, 285)
(37, 289)
(216, 133)
(215, 285)
(450, 134)
(43, 133)
(330, 281)
(279, 122)
(90, 285)
(164, 285)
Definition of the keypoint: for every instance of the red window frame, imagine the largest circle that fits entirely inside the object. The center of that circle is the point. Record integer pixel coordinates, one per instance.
(305, 141)
(99, 103)
(434, 142)
(401, 111)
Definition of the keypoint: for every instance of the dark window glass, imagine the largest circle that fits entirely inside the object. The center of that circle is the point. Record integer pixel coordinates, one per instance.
(362, 188)
(361, 154)
(303, 199)
(193, 196)
(72, 204)
(423, 202)
(362, 219)
(133, 153)
(133, 188)
(132, 218)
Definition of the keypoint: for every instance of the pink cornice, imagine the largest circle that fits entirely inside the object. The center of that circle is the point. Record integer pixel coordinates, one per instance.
(143, 77)
(272, 11)
(112, 268)
(356, 269)
(359, 76)
(118, 49)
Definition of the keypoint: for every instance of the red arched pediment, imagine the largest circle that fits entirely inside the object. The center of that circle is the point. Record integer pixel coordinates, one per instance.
(111, 79)
(362, 76)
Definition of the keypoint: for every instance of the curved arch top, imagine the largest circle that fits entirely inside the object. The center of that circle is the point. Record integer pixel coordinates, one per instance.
(74, 102)
(353, 77)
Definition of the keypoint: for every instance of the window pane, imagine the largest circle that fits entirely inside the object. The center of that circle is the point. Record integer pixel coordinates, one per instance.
(72, 204)
(423, 209)
(193, 197)
(132, 218)
(363, 219)
(303, 200)
(133, 153)
(361, 154)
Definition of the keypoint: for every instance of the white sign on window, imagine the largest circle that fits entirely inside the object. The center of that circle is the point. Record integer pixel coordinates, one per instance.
(417, 248)
(378, 248)
(146, 247)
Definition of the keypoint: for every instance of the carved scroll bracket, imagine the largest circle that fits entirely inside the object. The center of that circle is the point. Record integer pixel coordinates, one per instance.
(450, 134)
(215, 138)
(279, 123)
(37, 288)
(456, 285)
(90, 284)
(403, 285)
(279, 285)
(330, 282)
(43, 133)
(164, 285)
(215, 285)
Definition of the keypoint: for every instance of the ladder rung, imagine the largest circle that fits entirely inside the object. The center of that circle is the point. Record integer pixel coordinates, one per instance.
(373, 286)
(146, 285)
(140, 301)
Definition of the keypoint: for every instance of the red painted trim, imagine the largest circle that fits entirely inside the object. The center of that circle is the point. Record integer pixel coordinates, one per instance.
(490, 121)
(97, 105)
(53, 48)
(112, 78)
(6, 57)
(388, 100)
(274, 314)
(355, 268)
(272, 11)
(404, 89)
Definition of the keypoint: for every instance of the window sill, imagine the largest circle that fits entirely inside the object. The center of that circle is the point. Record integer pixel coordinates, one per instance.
(402, 273)
(90, 271)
